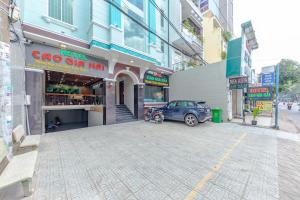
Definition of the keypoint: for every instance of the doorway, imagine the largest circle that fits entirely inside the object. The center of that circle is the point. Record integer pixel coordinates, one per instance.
(121, 92)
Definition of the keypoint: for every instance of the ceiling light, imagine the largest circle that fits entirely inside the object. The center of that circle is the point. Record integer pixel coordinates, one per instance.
(62, 46)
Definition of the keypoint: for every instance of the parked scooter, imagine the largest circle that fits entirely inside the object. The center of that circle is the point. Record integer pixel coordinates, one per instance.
(289, 106)
(154, 115)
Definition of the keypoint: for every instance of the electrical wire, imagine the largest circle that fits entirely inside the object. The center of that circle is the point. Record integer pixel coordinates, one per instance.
(144, 26)
(111, 2)
(172, 25)
(176, 30)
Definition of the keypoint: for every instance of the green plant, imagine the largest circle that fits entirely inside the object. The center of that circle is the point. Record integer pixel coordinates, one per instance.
(224, 55)
(255, 113)
(227, 36)
(190, 28)
(192, 63)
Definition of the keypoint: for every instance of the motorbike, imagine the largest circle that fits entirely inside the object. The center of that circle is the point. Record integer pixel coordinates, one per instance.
(154, 115)
(289, 106)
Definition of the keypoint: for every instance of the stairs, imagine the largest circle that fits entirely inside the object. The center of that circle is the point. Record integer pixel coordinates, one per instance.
(124, 115)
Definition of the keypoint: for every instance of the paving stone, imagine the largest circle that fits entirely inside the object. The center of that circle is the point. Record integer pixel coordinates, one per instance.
(164, 162)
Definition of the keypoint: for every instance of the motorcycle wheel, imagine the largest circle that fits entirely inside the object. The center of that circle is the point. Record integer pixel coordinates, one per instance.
(157, 119)
(147, 119)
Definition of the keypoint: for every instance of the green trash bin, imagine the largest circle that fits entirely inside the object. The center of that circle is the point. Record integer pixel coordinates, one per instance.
(216, 115)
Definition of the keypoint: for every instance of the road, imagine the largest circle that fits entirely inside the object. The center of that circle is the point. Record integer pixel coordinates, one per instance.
(289, 119)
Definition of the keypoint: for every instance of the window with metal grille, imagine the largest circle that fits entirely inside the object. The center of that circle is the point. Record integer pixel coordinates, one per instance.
(61, 10)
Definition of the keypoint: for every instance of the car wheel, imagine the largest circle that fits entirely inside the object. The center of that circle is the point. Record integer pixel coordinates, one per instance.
(191, 120)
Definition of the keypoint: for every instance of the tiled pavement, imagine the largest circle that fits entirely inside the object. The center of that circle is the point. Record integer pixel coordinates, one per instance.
(163, 162)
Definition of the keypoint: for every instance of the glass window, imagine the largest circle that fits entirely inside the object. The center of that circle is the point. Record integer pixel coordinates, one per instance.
(162, 21)
(91, 10)
(61, 10)
(162, 46)
(172, 104)
(137, 3)
(134, 34)
(154, 94)
(186, 104)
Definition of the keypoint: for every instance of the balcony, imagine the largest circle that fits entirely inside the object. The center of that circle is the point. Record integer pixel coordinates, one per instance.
(191, 10)
(193, 41)
(185, 65)
(210, 8)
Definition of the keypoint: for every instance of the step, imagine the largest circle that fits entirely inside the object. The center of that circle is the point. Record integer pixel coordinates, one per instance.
(123, 110)
(125, 120)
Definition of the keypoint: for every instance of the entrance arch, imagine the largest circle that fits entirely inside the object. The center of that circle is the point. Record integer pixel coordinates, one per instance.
(126, 83)
(130, 74)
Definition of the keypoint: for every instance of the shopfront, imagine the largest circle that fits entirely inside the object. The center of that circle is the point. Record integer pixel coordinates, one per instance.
(156, 89)
(65, 89)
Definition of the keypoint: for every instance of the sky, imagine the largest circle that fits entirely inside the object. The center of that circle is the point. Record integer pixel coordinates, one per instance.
(277, 28)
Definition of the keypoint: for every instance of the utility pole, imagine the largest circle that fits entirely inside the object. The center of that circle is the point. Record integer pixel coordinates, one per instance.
(277, 97)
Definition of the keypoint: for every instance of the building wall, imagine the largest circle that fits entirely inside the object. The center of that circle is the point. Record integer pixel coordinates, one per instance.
(36, 13)
(93, 24)
(17, 52)
(212, 40)
(226, 15)
(202, 84)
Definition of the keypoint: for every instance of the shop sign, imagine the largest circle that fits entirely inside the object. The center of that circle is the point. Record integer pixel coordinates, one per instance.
(264, 105)
(268, 79)
(155, 78)
(240, 82)
(50, 58)
(260, 93)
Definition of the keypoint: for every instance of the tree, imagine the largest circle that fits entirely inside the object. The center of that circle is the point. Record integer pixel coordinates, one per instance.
(289, 74)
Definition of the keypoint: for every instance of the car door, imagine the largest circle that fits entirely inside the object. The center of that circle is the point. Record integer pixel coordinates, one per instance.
(169, 110)
(180, 110)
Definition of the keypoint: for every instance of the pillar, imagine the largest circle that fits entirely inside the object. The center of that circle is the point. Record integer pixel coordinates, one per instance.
(110, 103)
(139, 93)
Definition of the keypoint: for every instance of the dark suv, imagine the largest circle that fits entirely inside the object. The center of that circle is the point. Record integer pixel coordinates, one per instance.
(191, 112)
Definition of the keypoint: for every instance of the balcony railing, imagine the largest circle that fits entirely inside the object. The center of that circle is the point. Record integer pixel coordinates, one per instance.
(191, 37)
(184, 65)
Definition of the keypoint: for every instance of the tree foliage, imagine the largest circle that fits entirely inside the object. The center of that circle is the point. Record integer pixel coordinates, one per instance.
(289, 74)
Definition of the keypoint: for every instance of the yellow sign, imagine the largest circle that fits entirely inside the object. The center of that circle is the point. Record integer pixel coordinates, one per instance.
(264, 105)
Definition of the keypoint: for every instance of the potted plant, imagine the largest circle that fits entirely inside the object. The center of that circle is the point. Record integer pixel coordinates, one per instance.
(227, 36)
(255, 113)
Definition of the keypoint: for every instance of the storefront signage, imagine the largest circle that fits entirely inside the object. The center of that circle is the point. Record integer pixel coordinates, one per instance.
(155, 78)
(240, 82)
(268, 79)
(264, 105)
(260, 93)
(50, 58)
